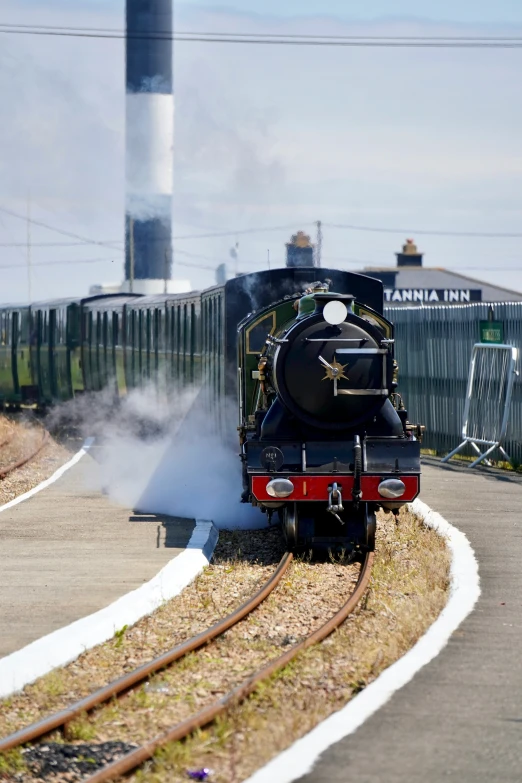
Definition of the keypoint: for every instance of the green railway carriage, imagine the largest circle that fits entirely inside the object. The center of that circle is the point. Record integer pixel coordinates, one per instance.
(103, 340)
(55, 351)
(15, 348)
(163, 341)
(52, 351)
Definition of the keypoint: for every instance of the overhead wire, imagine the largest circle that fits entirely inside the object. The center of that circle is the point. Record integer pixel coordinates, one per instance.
(465, 42)
(426, 232)
(42, 224)
(110, 243)
(152, 33)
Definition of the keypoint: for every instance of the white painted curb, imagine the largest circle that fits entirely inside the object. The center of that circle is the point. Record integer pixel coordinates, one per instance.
(300, 757)
(63, 646)
(56, 475)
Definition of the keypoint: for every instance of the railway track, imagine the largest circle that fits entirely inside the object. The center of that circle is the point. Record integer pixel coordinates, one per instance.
(208, 714)
(123, 684)
(5, 471)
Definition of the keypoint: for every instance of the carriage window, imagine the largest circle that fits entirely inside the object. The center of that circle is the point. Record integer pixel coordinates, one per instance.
(185, 329)
(107, 330)
(129, 323)
(6, 338)
(116, 328)
(146, 330)
(24, 327)
(192, 329)
(256, 334)
(60, 326)
(156, 330)
(178, 329)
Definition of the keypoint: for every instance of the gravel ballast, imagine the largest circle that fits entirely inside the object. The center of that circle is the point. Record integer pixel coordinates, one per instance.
(407, 592)
(23, 438)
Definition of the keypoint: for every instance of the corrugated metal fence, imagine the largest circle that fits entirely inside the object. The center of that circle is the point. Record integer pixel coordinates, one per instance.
(433, 350)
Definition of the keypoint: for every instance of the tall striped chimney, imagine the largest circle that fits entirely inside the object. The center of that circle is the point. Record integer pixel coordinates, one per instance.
(149, 145)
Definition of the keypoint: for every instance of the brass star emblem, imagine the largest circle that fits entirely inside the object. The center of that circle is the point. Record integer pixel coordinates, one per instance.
(335, 372)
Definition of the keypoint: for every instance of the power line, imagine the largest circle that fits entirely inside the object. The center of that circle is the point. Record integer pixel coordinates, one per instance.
(51, 244)
(40, 223)
(111, 243)
(236, 233)
(426, 232)
(307, 36)
(70, 262)
(271, 39)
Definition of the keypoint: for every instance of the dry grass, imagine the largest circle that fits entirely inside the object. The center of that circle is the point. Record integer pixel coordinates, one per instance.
(25, 438)
(407, 592)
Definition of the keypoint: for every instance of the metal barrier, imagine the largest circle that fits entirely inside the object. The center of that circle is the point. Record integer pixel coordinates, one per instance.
(433, 349)
(492, 371)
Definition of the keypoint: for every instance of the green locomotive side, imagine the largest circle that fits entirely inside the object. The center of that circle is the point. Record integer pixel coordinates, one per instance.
(252, 335)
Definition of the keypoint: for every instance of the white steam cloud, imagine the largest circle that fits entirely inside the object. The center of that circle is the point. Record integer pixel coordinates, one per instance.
(162, 457)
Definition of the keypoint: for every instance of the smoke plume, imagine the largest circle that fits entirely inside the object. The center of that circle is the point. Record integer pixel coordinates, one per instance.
(164, 456)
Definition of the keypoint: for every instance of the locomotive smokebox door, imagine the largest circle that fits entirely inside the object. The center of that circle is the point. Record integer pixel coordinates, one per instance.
(365, 370)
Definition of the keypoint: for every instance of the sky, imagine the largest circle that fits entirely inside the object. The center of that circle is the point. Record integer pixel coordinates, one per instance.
(459, 11)
(268, 140)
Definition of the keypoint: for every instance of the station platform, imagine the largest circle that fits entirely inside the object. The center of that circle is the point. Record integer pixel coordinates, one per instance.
(460, 718)
(68, 551)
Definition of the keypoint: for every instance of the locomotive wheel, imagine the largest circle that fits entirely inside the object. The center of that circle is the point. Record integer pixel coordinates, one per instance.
(290, 525)
(370, 525)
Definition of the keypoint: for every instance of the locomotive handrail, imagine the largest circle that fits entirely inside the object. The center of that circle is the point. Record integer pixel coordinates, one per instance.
(362, 392)
(336, 339)
(362, 350)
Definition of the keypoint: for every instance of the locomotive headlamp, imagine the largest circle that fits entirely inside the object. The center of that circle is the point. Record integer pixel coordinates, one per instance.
(280, 488)
(391, 488)
(335, 312)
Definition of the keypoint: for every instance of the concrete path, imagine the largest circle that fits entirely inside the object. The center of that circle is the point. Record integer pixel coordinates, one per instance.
(68, 551)
(461, 716)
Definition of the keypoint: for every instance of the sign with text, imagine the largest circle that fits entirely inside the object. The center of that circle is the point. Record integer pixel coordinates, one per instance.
(492, 332)
(433, 295)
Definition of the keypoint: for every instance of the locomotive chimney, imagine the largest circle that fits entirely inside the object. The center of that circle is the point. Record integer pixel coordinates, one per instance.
(410, 256)
(149, 145)
(322, 299)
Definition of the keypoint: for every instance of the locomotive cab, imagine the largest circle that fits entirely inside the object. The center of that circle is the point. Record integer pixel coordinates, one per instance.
(325, 444)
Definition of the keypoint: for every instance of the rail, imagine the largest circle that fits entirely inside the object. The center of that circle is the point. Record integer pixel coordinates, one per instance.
(207, 715)
(123, 684)
(27, 458)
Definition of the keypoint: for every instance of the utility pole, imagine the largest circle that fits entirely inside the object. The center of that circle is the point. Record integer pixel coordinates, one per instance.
(166, 271)
(268, 258)
(29, 286)
(319, 244)
(131, 254)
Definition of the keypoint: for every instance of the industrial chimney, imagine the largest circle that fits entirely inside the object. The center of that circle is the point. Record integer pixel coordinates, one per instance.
(149, 145)
(300, 251)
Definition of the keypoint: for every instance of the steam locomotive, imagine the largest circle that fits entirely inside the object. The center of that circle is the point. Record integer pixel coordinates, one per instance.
(324, 438)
